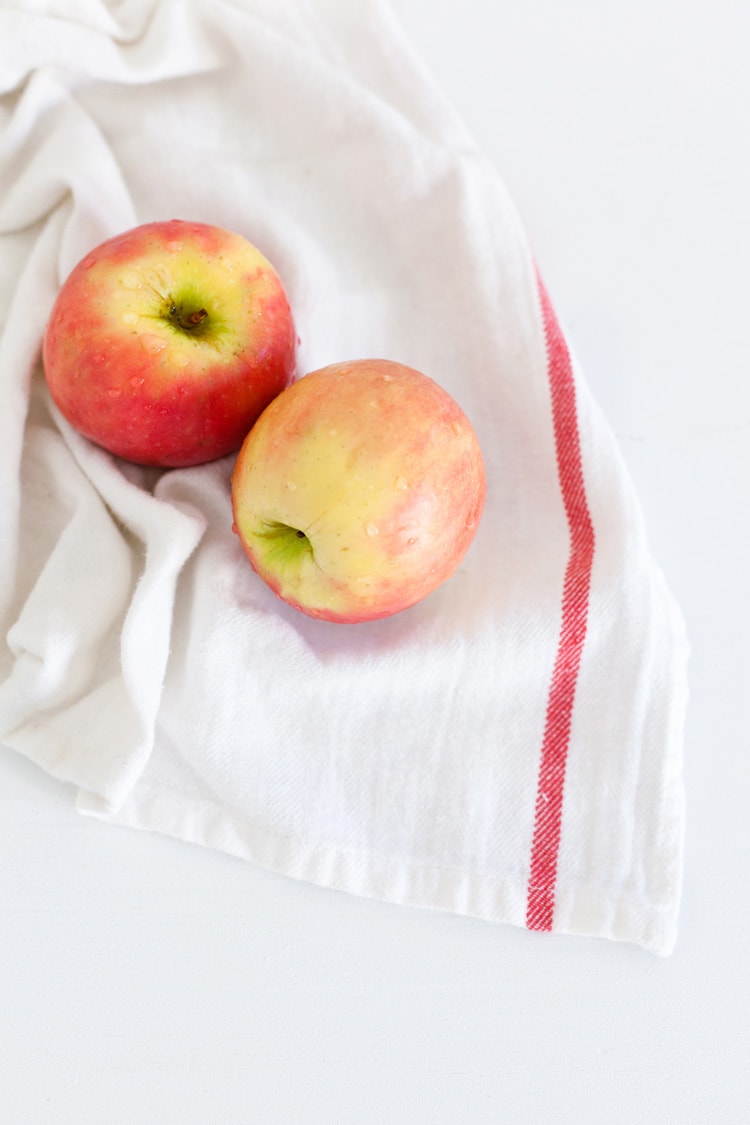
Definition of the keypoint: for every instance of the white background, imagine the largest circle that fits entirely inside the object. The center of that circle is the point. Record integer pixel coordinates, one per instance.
(146, 981)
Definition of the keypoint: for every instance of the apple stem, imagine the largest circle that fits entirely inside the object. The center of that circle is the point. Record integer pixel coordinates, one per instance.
(187, 320)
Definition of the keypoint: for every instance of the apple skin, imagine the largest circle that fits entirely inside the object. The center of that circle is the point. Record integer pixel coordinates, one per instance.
(166, 342)
(358, 491)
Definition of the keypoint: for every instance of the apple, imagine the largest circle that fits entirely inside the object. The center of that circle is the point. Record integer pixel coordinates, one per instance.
(358, 490)
(166, 342)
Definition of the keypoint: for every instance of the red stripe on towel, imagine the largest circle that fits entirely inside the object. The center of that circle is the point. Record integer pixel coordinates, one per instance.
(540, 904)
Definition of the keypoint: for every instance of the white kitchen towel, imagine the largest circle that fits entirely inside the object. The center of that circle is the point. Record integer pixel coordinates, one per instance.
(511, 747)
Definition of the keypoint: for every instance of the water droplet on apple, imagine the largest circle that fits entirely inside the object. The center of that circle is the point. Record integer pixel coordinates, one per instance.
(137, 381)
(372, 530)
(131, 280)
(470, 523)
(235, 529)
(291, 485)
(87, 263)
(130, 318)
(387, 378)
(402, 483)
(456, 427)
(114, 392)
(152, 344)
(411, 541)
(98, 358)
(174, 244)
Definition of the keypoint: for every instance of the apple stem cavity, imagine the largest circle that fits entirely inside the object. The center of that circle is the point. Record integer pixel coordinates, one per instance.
(285, 545)
(187, 316)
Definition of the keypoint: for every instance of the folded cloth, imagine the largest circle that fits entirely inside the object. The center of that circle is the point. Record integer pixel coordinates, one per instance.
(511, 747)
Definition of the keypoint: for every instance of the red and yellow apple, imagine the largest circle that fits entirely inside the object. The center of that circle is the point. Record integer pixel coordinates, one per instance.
(166, 342)
(358, 490)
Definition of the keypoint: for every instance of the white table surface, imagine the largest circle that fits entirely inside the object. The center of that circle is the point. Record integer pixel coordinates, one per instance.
(146, 981)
